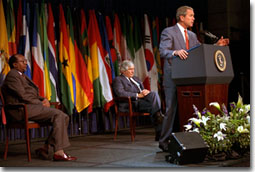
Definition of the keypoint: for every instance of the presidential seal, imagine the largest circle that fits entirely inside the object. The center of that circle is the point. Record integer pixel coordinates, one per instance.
(220, 60)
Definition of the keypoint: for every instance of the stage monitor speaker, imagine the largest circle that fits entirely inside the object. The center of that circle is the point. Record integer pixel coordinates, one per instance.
(186, 148)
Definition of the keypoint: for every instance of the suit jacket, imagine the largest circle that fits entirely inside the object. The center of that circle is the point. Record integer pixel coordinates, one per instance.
(20, 89)
(171, 39)
(124, 88)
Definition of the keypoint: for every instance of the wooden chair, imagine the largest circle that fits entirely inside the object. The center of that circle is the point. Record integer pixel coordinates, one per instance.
(26, 124)
(130, 113)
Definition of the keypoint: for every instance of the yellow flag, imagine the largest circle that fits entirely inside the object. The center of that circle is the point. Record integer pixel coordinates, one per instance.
(4, 50)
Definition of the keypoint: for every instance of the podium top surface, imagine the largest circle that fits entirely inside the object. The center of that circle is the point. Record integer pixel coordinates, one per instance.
(206, 64)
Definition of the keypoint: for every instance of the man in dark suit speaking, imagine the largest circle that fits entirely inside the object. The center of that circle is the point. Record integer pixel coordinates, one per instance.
(174, 42)
(143, 100)
(18, 88)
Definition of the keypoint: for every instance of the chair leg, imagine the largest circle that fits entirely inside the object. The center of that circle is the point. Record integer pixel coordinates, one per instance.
(6, 145)
(116, 126)
(28, 145)
(131, 128)
(134, 125)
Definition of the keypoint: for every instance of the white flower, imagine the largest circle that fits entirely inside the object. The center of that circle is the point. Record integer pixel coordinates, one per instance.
(215, 104)
(188, 127)
(247, 108)
(219, 135)
(204, 119)
(223, 126)
(248, 119)
(241, 110)
(196, 121)
(240, 129)
(225, 117)
(196, 130)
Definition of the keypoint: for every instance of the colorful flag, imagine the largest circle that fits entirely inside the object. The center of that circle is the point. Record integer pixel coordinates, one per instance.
(66, 84)
(102, 89)
(139, 60)
(24, 43)
(4, 49)
(149, 56)
(86, 55)
(105, 49)
(115, 59)
(11, 29)
(44, 40)
(117, 43)
(124, 45)
(37, 56)
(155, 41)
(52, 56)
(78, 69)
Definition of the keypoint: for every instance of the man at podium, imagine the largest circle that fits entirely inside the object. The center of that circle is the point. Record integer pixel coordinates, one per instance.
(174, 42)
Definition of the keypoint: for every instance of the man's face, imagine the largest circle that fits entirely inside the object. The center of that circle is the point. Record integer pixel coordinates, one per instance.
(130, 72)
(189, 19)
(21, 63)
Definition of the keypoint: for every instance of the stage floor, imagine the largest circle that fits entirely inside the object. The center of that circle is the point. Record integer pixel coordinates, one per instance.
(101, 151)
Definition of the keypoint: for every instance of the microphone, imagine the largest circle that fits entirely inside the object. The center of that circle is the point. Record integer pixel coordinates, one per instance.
(209, 34)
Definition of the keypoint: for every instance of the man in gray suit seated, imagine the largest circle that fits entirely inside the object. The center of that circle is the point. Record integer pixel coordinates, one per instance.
(143, 100)
(18, 88)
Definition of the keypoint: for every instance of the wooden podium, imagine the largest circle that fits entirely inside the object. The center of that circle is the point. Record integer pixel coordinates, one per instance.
(201, 79)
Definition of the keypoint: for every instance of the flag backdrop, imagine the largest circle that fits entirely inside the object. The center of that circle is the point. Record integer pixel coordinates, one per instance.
(4, 49)
(102, 89)
(149, 56)
(37, 56)
(52, 56)
(66, 84)
(24, 42)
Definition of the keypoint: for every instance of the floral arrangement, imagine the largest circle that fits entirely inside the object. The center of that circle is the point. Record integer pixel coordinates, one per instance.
(223, 131)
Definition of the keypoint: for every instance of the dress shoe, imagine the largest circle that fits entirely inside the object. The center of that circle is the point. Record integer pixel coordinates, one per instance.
(65, 157)
(42, 153)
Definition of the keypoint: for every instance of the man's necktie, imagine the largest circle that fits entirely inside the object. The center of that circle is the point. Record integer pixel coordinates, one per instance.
(186, 39)
(135, 84)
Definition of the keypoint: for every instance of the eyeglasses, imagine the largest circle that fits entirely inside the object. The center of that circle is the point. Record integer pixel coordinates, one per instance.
(23, 61)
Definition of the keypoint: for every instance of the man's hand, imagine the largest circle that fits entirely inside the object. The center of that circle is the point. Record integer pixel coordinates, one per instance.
(223, 41)
(46, 103)
(144, 93)
(183, 54)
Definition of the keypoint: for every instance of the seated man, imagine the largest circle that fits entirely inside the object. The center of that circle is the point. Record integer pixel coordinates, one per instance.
(18, 88)
(143, 100)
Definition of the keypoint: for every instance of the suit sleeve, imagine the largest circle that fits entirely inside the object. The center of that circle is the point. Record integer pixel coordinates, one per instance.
(120, 90)
(15, 85)
(166, 44)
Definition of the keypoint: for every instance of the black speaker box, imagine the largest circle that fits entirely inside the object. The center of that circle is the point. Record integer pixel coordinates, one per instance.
(186, 148)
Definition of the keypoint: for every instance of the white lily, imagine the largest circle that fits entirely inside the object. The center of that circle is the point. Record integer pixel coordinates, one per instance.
(247, 108)
(248, 119)
(219, 135)
(196, 130)
(205, 119)
(188, 127)
(240, 129)
(215, 104)
(196, 121)
(223, 126)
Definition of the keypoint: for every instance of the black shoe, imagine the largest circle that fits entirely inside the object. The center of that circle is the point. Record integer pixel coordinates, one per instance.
(163, 147)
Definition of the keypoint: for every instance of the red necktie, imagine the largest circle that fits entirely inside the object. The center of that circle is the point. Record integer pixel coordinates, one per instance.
(186, 39)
